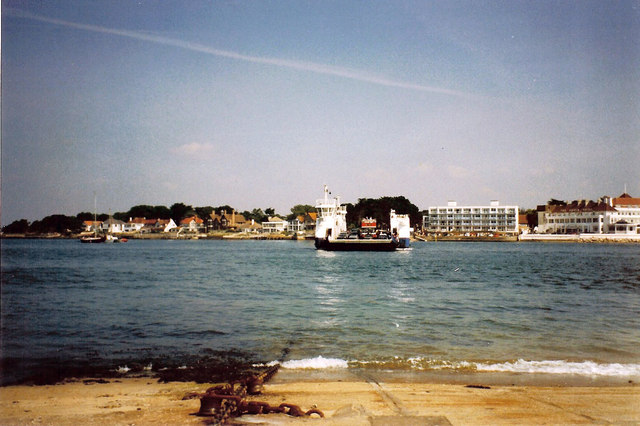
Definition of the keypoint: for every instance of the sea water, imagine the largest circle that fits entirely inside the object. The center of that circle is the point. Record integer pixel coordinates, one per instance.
(455, 307)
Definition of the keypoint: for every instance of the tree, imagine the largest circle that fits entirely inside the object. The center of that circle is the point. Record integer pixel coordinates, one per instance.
(256, 214)
(300, 210)
(379, 209)
(226, 208)
(123, 216)
(161, 212)
(270, 211)
(57, 223)
(85, 216)
(144, 210)
(204, 213)
(179, 211)
(532, 217)
(17, 227)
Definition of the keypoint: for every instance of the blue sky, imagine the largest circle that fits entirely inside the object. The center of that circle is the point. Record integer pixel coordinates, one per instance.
(260, 103)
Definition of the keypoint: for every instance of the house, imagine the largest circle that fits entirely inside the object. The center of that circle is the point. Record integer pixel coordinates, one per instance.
(225, 220)
(274, 224)
(138, 224)
(165, 225)
(192, 224)
(310, 220)
(296, 224)
(305, 222)
(251, 227)
(91, 226)
(113, 226)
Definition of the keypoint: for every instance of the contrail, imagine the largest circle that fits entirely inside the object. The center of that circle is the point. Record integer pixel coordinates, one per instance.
(284, 63)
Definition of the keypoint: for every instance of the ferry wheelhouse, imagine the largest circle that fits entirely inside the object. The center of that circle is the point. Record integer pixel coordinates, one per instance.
(332, 233)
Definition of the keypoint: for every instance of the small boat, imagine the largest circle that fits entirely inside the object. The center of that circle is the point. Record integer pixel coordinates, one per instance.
(93, 239)
(112, 239)
(332, 234)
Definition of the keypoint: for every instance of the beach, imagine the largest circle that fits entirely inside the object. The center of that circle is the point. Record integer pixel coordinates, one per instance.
(347, 401)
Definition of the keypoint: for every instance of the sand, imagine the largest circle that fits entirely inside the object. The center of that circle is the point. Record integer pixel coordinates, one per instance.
(145, 401)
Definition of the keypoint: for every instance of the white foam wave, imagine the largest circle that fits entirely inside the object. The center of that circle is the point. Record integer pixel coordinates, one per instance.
(588, 368)
(318, 362)
(582, 368)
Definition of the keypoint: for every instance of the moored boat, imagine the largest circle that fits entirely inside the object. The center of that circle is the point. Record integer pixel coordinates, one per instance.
(112, 239)
(93, 239)
(332, 234)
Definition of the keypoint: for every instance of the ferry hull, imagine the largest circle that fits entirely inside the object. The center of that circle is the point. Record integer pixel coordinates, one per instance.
(355, 245)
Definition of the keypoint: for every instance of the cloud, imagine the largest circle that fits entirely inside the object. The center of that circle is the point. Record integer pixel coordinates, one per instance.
(425, 168)
(458, 172)
(352, 74)
(170, 186)
(193, 149)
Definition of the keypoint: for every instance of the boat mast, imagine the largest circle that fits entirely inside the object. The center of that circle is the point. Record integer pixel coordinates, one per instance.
(95, 210)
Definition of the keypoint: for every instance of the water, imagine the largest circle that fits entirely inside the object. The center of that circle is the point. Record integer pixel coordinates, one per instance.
(526, 307)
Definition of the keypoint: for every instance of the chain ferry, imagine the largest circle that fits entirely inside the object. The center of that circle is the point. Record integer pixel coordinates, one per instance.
(332, 233)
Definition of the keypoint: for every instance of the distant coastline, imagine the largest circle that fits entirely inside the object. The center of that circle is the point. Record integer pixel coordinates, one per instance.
(164, 236)
(235, 236)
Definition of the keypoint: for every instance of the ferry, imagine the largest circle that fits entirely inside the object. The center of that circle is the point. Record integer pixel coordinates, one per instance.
(332, 234)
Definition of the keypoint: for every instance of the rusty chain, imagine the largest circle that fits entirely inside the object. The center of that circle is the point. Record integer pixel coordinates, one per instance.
(225, 401)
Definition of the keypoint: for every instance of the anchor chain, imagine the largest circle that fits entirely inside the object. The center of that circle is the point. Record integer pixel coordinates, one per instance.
(228, 400)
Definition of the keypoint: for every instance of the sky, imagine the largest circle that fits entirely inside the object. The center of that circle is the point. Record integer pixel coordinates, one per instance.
(258, 104)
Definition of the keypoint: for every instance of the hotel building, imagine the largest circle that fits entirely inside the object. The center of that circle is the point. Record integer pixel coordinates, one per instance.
(620, 215)
(452, 218)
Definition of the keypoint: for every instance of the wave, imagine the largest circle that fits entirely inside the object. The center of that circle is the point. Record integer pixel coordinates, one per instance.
(581, 368)
(587, 368)
(316, 363)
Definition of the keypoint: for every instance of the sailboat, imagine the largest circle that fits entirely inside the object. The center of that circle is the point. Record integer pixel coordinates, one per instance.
(95, 238)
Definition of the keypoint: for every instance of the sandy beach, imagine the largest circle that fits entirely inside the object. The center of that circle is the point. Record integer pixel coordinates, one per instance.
(352, 401)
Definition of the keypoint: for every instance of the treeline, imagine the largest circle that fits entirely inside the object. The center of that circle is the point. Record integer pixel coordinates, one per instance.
(379, 209)
(56, 223)
(66, 225)
(365, 207)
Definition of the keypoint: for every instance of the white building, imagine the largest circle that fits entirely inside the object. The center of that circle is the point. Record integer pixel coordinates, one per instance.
(619, 215)
(471, 219)
(167, 225)
(112, 226)
(626, 219)
(91, 226)
(274, 224)
(296, 225)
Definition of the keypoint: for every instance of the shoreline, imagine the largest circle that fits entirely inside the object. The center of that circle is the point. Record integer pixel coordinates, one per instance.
(345, 399)
(528, 238)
